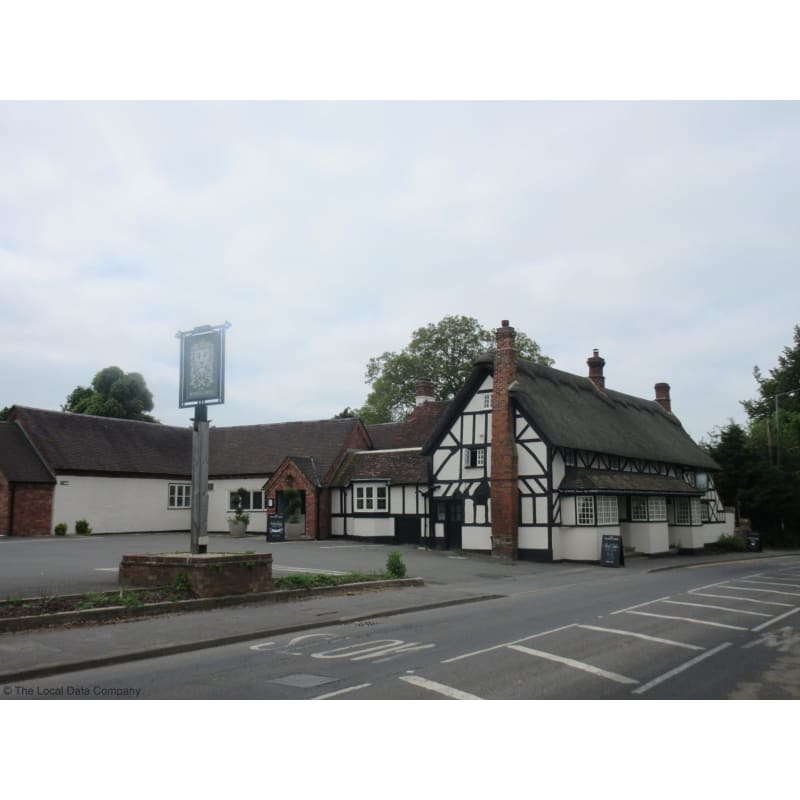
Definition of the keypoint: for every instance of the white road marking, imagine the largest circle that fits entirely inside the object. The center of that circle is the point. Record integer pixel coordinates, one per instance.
(375, 649)
(707, 586)
(261, 646)
(644, 636)
(309, 636)
(348, 546)
(506, 644)
(281, 568)
(640, 605)
(570, 662)
(341, 691)
(690, 619)
(439, 688)
(717, 608)
(673, 672)
(764, 591)
(106, 569)
(743, 599)
(771, 583)
(777, 619)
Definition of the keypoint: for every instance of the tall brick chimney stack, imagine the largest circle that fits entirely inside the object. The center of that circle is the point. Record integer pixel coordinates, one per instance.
(596, 364)
(504, 489)
(425, 391)
(662, 397)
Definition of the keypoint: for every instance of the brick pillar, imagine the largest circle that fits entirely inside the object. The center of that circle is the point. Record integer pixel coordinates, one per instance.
(504, 488)
(662, 397)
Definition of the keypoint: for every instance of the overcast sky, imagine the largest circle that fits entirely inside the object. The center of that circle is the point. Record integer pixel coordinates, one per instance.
(663, 234)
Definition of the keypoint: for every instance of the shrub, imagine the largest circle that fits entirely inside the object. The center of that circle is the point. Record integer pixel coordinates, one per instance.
(395, 568)
(61, 529)
(731, 544)
(181, 583)
(82, 528)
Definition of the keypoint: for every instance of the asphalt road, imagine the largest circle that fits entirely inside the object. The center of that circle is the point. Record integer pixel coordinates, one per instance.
(558, 631)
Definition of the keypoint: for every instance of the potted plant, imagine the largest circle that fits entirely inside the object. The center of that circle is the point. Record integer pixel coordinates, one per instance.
(237, 524)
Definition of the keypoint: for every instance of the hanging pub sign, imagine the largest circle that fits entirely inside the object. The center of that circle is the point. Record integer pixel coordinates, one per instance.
(202, 380)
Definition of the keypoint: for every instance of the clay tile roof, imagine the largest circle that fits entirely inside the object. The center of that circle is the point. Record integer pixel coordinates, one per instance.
(397, 467)
(19, 461)
(79, 443)
(260, 449)
(414, 432)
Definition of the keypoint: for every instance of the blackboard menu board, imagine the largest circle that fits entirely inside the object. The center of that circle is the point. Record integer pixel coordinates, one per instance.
(611, 552)
(276, 528)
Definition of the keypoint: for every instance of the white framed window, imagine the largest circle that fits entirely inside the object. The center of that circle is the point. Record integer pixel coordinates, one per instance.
(474, 457)
(179, 495)
(372, 498)
(682, 513)
(487, 401)
(569, 458)
(705, 514)
(607, 510)
(584, 510)
(695, 511)
(251, 501)
(638, 509)
(657, 509)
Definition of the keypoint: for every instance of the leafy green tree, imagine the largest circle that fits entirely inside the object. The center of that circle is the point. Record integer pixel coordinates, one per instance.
(761, 464)
(4, 412)
(443, 352)
(113, 393)
(346, 413)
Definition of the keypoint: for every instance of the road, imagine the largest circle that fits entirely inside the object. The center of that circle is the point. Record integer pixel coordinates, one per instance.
(711, 632)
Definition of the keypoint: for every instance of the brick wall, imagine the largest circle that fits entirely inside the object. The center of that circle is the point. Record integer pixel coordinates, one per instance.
(504, 471)
(290, 477)
(5, 507)
(26, 509)
(209, 575)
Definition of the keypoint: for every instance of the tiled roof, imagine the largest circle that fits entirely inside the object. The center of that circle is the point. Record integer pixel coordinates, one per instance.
(79, 443)
(414, 432)
(19, 462)
(593, 481)
(260, 449)
(396, 466)
(85, 444)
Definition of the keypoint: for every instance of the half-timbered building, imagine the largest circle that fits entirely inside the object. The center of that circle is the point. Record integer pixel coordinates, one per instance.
(534, 462)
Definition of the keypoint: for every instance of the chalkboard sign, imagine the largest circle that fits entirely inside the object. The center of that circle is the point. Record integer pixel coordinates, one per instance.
(276, 528)
(611, 554)
(754, 542)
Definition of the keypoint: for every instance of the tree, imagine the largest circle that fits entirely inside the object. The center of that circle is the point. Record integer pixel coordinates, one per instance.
(443, 353)
(113, 393)
(764, 488)
(4, 412)
(346, 413)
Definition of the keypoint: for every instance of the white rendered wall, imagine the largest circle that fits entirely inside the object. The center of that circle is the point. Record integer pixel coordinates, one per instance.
(581, 543)
(686, 536)
(117, 505)
(474, 538)
(532, 539)
(219, 502)
(645, 537)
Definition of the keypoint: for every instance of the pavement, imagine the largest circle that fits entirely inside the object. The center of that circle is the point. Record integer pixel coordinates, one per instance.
(451, 579)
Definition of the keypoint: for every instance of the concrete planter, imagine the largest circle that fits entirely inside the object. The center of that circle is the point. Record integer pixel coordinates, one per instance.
(237, 529)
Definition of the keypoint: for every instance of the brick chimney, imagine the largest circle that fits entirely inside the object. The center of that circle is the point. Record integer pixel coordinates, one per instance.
(596, 365)
(425, 391)
(504, 489)
(662, 397)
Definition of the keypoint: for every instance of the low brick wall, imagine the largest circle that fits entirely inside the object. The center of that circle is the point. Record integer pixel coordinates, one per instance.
(208, 574)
